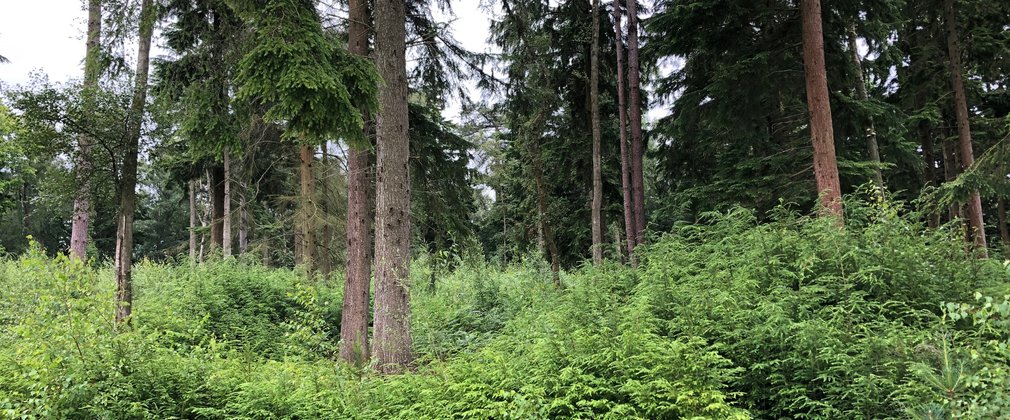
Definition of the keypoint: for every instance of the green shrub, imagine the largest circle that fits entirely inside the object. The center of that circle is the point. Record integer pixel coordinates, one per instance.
(794, 318)
(824, 321)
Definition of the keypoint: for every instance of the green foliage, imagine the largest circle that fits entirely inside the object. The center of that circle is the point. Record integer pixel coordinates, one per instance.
(795, 318)
(826, 322)
(302, 75)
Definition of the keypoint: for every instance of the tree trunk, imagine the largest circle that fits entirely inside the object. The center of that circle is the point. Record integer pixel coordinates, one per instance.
(393, 344)
(81, 218)
(871, 129)
(629, 207)
(1004, 233)
(963, 125)
(354, 311)
(226, 221)
(128, 180)
(307, 209)
(635, 113)
(192, 221)
(243, 225)
(951, 169)
(324, 256)
(821, 132)
(594, 97)
(545, 228)
(216, 190)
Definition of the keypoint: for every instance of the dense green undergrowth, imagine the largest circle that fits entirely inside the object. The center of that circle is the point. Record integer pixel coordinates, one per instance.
(729, 319)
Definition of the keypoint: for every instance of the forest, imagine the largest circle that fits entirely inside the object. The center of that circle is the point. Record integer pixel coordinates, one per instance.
(654, 209)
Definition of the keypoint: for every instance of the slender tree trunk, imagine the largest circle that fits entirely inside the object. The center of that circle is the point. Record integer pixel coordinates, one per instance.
(128, 180)
(594, 96)
(1004, 233)
(871, 130)
(951, 169)
(81, 218)
(929, 173)
(192, 221)
(324, 254)
(393, 344)
(243, 225)
(975, 218)
(226, 221)
(216, 190)
(267, 260)
(821, 132)
(205, 216)
(545, 228)
(635, 113)
(354, 311)
(307, 209)
(629, 207)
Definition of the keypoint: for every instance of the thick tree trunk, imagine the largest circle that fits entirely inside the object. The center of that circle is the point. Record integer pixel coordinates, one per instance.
(192, 221)
(226, 221)
(354, 311)
(821, 131)
(975, 218)
(354, 316)
(871, 130)
(594, 97)
(128, 180)
(216, 190)
(393, 344)
(629, 206)
(307, 209)
(81, 218)
(635, 113)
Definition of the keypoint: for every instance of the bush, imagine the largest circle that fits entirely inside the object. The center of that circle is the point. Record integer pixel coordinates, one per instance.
(824, 321)
(794, 318)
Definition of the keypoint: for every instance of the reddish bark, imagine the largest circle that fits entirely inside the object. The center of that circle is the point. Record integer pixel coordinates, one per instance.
(821, 132)
(635, 113)
(81, 218)
(975, 218)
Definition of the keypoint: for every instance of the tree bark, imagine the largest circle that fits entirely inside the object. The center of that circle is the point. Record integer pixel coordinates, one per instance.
(629, 207)
(216, 190)
(307, 208)
(635, 113)
(545, 228)
(594, 97)
(1004, 233)
(243, 225)
(871, 130)
(951, 169)
(324, 255)
(128, 180)
(975, 218)
(81, 218)
(354, 314)
(226, 220)
(393, 344)
(192, 221)
(821, 132)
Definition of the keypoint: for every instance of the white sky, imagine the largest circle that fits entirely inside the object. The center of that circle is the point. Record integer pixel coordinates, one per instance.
(48, 36)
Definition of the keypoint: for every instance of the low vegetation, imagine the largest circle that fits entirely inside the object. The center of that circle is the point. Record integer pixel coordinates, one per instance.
(795, 318)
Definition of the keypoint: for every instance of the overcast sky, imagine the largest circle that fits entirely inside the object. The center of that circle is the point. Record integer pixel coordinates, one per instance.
(48, 36)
